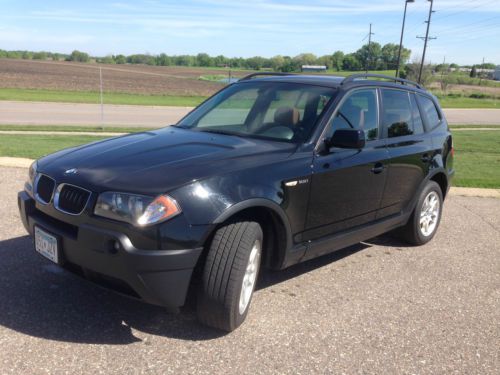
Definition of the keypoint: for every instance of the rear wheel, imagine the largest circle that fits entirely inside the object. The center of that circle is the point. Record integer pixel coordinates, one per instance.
(230, 275)
(425, 219)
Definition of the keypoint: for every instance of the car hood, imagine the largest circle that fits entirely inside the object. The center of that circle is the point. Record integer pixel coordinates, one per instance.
(155, 162)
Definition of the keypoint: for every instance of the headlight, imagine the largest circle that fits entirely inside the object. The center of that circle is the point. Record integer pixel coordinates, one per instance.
(30, 182)
(138, 210)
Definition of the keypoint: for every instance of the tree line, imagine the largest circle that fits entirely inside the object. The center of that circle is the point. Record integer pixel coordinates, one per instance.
(373, 57)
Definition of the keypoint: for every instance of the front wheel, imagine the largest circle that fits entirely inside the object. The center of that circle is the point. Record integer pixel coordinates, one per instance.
(425, 219)
(230, 275)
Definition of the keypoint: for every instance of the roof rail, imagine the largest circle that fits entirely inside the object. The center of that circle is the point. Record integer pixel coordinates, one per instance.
(354, 77)
(250, 76)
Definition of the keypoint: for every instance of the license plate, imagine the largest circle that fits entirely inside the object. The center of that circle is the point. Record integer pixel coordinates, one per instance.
(46, 244)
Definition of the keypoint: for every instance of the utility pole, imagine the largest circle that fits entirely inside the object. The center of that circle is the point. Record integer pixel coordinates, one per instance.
(426, 39)
(401, 40)
(101, 97)
(481, 73)
(369, 48)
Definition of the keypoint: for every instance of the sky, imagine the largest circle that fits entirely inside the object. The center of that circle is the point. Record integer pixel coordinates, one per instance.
(466, 30)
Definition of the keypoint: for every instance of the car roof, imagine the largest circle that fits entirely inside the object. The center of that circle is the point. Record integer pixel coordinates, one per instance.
(336, 81)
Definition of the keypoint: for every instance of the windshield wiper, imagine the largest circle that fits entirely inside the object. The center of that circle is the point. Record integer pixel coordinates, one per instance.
(219, 131)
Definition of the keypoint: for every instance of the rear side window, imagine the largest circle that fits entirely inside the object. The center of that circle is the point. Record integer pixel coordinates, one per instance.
(429, 111)
(397, 113)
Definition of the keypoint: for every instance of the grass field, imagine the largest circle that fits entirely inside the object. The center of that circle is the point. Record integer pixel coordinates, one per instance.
(477, 158)
(448, 102)
(477, 153)
(33, 147)
(73, 128)
(40, 95)
(51, 81)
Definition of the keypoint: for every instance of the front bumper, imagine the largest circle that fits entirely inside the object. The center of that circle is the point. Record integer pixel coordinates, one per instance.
(160, 277)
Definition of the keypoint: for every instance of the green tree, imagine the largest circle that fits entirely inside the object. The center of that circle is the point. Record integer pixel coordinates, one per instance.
(389, 56)
(306, 59)
(277, 63)
(106, 60)
(325, 60)
(203, 59)
(163, 60)
(220, 61)
(337, 60)
(411, 72)
(78, 56)
(473, 72)
(369, 56)
(120, 59)
(351, 62)
(255, 63)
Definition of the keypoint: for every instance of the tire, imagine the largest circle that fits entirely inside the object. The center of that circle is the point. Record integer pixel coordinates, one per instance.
(235, 249)
(416, 231)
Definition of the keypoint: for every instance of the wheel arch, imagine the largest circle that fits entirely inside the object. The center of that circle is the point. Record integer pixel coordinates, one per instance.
(440, 178)
(274, 223)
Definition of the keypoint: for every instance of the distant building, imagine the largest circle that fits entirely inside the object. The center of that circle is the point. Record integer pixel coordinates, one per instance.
(313, 68)
(496, 74)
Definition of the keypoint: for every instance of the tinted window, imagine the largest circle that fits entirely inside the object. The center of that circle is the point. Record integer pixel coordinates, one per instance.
(397, 113)
(233, 111)
(418, 125)
(358, 111)
(274, 110)
(429, 111)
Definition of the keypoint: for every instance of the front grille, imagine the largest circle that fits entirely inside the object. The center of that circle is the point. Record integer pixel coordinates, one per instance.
(71, 199)
(44, 188)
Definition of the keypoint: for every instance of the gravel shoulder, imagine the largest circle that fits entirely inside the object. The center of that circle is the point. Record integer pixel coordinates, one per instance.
(377, 307)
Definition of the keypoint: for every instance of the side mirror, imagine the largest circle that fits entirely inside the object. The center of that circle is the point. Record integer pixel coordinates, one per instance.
(347, 138)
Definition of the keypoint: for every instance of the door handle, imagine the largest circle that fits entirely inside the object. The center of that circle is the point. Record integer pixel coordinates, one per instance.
(378, 168)
(426, 158)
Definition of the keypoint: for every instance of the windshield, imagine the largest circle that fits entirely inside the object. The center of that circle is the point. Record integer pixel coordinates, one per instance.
(278, 111)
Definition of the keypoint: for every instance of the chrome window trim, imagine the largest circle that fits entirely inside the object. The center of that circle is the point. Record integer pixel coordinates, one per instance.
(57, 194)
(35, 189)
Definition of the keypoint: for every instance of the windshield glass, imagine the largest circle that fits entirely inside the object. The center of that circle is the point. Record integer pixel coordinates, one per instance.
(279, 111)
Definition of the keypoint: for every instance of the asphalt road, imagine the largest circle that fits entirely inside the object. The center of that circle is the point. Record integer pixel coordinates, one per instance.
(38, 113)
(379, 307)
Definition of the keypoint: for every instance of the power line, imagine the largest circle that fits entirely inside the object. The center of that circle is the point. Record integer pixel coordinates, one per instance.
(464, 10)
(458, 5)
(469, 29)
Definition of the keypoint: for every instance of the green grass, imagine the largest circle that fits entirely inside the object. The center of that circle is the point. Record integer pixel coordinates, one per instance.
(73, 128)
(477, 153)
(31, 95)
(213, 77)
(35, 146)
(464, 102)
(477, 158)
(465, 126)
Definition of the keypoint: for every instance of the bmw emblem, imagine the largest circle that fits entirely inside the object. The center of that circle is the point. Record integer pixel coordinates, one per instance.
(71, 171)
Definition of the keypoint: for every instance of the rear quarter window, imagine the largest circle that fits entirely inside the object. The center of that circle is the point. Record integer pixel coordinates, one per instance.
(429, 111)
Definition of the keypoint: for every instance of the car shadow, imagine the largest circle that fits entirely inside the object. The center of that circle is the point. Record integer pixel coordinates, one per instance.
(40, 299)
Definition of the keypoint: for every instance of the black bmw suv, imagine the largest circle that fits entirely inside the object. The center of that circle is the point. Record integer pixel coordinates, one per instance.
(270, 171)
